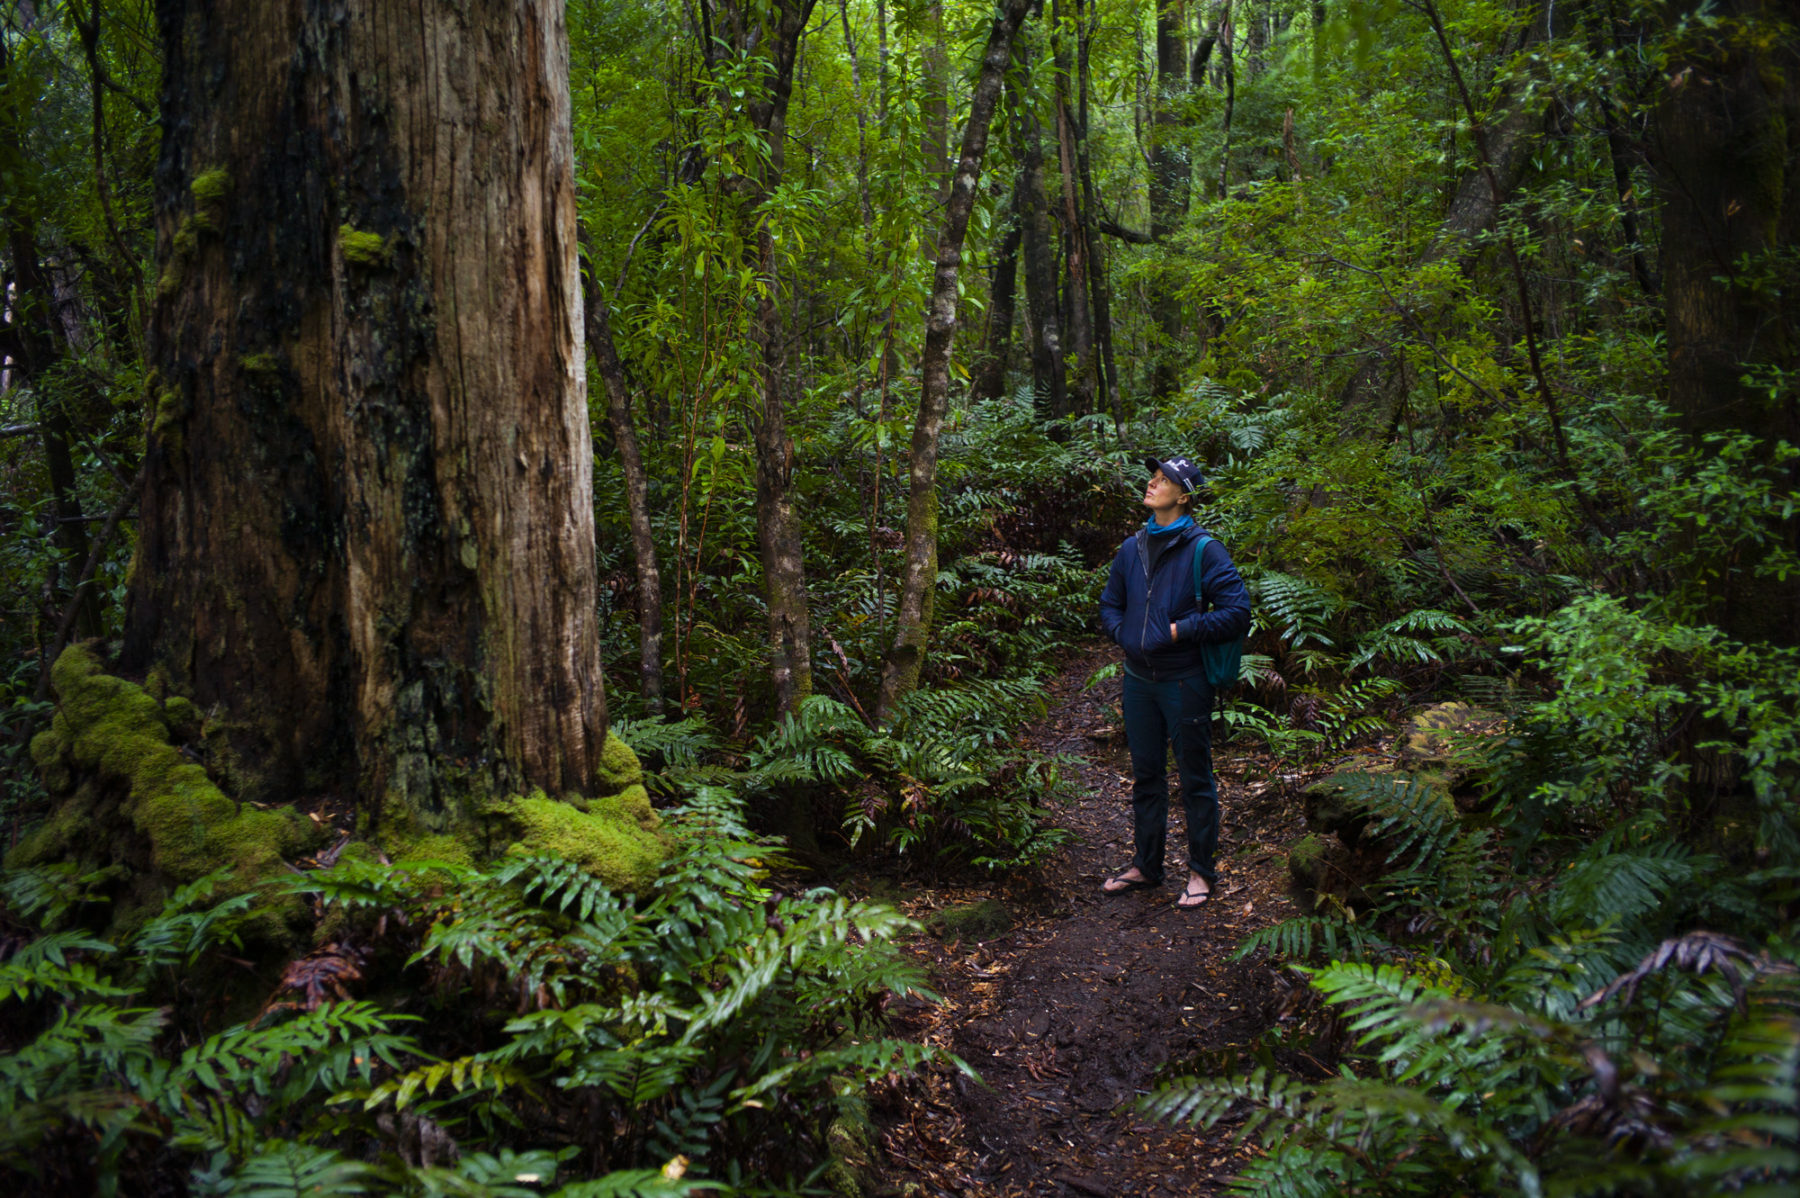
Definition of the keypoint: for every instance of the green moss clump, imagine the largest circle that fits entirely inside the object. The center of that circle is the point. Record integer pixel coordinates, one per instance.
(438, 847)
(852, 1138)
(619, 766)
(603, 840)
(262, 363)
(210, 187)
(363, 249)
(172, 409)
(50, 753)
(1306, 859)
(111, 728)
(169, 282)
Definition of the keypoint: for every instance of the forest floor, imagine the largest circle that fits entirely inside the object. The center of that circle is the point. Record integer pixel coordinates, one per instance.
(1071, 1004)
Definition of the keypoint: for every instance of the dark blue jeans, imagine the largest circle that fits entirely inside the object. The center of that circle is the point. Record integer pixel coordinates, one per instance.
(1157, 713)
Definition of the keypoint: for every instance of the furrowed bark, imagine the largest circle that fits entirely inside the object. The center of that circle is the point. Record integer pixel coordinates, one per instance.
(366, 538)
(1726, 154)
(900, 674)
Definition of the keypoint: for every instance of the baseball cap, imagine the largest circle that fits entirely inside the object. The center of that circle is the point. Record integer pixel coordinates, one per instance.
(1177, 470)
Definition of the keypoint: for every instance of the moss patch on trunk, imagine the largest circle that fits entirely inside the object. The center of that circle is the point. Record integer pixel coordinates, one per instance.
(108, 754)
(617, 838)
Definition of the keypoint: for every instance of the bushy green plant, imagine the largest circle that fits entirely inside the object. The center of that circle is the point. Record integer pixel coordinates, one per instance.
(943, 780)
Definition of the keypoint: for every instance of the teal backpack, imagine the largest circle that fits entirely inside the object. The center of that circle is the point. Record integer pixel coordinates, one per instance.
(1222, 658)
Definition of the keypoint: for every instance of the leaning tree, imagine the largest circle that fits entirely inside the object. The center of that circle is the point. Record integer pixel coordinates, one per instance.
(366, 548)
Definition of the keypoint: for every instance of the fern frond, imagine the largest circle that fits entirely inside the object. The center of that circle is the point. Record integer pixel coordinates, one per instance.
(1297, 939)
(1620, 886)
(1300, 610)
(300, 1171)
(44, 966)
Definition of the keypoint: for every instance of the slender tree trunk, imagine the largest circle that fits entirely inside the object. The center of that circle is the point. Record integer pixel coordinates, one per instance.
(773, 31)
(366, 539)
(1049, 387)
(637, 494)
(1003, 292)
(39, 340)
(1228, 66)
(1619, 150)
(1171, 174)
(1107, 370)
(862, 122)
(900, 675)
(1076, 285)
(934, 125)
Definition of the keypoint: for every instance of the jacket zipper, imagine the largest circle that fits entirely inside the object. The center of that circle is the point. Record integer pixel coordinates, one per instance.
(1144, 632)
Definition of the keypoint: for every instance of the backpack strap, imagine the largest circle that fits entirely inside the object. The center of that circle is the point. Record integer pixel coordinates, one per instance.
(1199, 552)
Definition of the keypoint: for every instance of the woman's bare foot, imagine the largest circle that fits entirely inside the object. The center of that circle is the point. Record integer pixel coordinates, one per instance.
(1194, 894)
(1131, 879)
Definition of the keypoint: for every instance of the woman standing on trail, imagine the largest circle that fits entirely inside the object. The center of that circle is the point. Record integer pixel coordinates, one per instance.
(1150, 609)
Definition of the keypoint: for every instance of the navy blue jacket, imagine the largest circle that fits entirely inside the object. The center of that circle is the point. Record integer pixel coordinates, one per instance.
(1138, 605)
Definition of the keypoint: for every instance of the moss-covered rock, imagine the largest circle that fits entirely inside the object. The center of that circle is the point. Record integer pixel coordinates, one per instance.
(452, 850)
(607, 839)
(1306, 859)
(112, 737)
(852, 1139)
(1329, 811)
(1446, 740)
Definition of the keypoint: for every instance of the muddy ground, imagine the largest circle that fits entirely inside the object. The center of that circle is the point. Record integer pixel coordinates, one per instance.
(1083, 1001)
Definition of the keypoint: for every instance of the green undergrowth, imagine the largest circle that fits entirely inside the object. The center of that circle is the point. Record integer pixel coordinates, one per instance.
(515, 1030)
(945, 782)
(1577, 974)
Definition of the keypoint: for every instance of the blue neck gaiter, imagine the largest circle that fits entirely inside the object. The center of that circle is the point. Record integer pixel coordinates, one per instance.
(1163, 530)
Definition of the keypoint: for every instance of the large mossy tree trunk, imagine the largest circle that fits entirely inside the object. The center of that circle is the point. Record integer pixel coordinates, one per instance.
(366, 548)
(913, 614)
(1726, 154)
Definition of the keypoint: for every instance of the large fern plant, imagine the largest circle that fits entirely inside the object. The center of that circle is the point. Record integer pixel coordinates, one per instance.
(1562, 1038)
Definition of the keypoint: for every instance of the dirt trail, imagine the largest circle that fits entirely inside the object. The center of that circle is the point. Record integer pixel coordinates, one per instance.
(1087, 1000)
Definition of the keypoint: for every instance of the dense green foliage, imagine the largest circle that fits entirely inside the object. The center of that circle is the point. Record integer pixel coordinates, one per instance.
(524, 1025)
